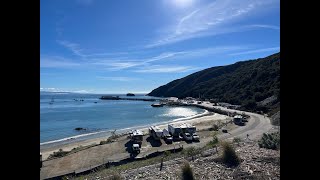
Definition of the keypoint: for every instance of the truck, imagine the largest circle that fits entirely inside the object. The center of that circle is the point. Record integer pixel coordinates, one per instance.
(167, 137)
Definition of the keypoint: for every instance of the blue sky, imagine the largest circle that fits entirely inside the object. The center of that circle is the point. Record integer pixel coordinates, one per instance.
(120, 46)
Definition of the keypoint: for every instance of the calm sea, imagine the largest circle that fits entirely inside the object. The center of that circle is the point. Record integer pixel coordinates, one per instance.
(67, 112)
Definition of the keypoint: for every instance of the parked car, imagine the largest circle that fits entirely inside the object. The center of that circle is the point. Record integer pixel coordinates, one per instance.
(195, 137)
(187, 136)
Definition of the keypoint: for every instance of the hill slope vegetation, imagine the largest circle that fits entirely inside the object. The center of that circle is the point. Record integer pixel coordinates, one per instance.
(253, 84)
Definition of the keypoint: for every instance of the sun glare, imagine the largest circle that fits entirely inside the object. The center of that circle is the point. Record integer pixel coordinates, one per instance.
(182, 3)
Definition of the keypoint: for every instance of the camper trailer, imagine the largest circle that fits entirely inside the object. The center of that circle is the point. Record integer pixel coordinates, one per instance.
(136, 136)
(186, 127)
(174, 130)
(155, 132)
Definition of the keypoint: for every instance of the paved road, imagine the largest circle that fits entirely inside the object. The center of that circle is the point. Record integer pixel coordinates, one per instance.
(256, 126)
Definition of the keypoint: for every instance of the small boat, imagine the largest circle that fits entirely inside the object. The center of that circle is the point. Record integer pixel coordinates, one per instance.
(156, 105)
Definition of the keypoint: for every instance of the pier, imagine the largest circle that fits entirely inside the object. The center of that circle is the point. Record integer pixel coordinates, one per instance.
(130, 99)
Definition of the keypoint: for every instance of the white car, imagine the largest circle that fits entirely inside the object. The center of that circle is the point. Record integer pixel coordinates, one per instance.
(195, 137)
(187, 136)
(136, 148)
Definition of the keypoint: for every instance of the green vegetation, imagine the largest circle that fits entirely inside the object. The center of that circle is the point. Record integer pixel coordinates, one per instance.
(270, 141)
(229, 156)
(237, 140)
(60, 153)
(115, 176)
(191, 151)
(214, 140)
(187, 173)
(246, 83)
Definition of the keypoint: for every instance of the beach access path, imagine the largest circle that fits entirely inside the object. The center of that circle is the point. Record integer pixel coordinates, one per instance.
(89, 158)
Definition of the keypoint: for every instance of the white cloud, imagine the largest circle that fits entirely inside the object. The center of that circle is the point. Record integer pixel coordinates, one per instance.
(264, 26)
(74, 47)
(215, 18)
(165, 69)
(57, 62)
(257, 51)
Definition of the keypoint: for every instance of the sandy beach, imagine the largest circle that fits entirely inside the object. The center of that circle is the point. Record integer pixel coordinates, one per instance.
(202, 121)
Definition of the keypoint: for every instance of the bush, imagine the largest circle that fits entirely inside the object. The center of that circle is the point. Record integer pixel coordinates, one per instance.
(270, 141)
(237, 140)
(167, 153)
(115, 176)
(187, 173)
(229, 156)
(191, 151)
(215, 127)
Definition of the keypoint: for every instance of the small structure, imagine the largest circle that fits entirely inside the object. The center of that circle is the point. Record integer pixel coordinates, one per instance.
(155, 132)
(238, 119)
(136, 136)
(172, 99)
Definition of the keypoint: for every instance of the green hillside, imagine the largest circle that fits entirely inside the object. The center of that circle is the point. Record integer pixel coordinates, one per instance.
(253, 84)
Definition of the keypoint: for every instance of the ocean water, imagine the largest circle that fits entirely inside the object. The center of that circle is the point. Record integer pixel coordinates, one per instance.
(59, 118)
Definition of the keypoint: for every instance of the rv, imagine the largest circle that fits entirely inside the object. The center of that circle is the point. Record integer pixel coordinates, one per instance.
(155, 132)
(186, 127)
(136, 136)
(174, 130)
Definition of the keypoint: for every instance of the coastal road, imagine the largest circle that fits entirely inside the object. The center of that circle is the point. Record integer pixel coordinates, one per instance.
(255, 127)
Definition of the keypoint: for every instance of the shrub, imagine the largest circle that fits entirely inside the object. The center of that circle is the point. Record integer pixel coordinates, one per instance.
(115, 176)
(229, 156)
(191, 151)
(237, 139)
(270, 141)
(60, 153)
(167, 153)
(215, 127)
(187, 173)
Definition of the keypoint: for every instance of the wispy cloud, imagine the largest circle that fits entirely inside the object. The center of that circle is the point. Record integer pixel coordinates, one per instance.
(120, 64)
(57, 62)
(74, 47)
(264, 26)
(212, 19)
(111, 78)
(257, 51)
(165, 69)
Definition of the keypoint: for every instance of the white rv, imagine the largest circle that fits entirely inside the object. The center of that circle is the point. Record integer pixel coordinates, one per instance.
(155, 132)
